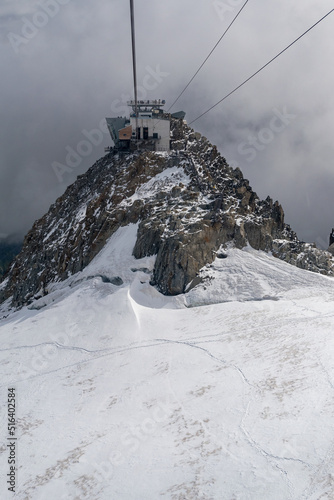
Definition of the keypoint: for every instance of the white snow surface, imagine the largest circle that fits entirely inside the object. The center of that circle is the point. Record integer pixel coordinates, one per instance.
(163, 182)
(224, 393)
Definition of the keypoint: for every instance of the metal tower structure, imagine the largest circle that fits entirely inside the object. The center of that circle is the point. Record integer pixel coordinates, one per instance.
(134, 65)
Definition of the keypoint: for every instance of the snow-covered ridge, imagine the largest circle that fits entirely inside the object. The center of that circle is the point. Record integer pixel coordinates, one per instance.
(251, 275)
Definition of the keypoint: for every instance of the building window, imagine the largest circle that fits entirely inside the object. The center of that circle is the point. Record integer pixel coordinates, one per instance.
(138, 133)
(145, 132)
(155, 135)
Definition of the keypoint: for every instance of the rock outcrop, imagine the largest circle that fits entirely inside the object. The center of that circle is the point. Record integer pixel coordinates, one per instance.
(331, 243)
(8, 251)
(331, 238)
(188, 204)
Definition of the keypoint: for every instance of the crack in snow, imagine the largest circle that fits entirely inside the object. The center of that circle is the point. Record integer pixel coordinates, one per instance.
(270, 456)
(330, 383)
(221, 361)
(53, 344)
(255, 446)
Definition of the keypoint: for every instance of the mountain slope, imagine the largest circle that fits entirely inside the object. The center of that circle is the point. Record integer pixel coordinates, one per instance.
(188, 204)
(124, 393)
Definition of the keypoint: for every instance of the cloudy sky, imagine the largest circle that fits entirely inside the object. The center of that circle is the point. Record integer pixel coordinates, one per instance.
(66, 64)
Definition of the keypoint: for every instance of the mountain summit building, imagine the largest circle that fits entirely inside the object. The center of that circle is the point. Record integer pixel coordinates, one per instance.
(148, 127)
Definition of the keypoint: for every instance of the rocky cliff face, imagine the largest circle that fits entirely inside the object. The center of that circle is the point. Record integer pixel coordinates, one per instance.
(8, 251)
(188, 204)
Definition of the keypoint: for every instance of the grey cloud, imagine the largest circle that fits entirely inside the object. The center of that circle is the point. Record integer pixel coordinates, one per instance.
(77, 67)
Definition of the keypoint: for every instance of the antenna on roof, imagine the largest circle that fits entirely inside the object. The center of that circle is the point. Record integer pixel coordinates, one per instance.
(134, 63)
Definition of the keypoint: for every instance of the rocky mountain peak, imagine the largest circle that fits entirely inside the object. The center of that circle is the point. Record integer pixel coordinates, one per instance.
(188, 204)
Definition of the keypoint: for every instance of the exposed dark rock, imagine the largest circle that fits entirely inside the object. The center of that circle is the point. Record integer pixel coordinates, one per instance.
(221, 255)
(142, 270)
(116, 280)
(331, 238)
(331, 249)
(8, 251)
(184, 220)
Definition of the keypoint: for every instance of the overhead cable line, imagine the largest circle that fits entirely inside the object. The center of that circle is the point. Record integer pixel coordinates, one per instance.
(214, 48)
(133, 37)
(263, 67)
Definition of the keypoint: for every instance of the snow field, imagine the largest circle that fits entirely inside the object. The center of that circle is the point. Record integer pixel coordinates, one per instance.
(226, 392)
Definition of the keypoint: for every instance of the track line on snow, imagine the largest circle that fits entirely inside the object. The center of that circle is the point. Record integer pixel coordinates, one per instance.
(221, 361)
(265, 453)
(324, 369)
(280, 324)
(272, 459)
(53, 344)
(111, 352)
